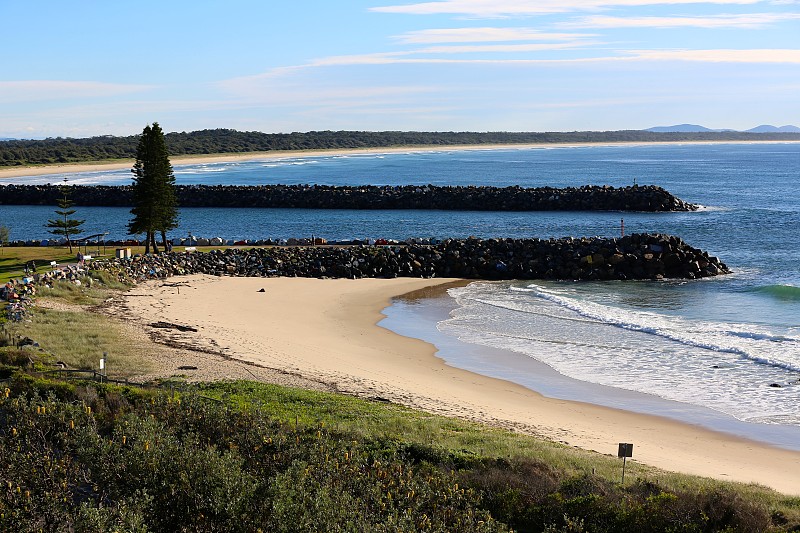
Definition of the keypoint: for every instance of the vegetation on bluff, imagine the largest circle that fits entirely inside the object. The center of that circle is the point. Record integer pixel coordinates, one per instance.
(224, 141)
(244, 456)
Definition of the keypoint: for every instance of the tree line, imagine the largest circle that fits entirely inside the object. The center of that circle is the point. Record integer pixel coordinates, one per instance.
(221, 141)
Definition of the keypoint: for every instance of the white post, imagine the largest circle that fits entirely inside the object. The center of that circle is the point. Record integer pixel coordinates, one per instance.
(103, 366)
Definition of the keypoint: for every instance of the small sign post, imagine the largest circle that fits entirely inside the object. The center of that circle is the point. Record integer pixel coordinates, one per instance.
(625, 451)
(103, 366)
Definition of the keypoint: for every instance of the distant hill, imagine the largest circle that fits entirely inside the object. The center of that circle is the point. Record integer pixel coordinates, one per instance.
(767, 128)
(694, 128)
(680, 128)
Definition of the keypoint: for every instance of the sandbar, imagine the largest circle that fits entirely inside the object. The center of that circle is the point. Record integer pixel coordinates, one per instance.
(67, 168)
(326, 331)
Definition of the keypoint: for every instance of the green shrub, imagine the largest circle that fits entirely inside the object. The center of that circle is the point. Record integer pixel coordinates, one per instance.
(92, 457)
(14, 357)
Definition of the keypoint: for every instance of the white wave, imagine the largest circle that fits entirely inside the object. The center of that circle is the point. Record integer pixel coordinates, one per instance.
(761, 336)
(698, 335)
(201, 170)
(712, 208)
(667, 356)
(516, 307)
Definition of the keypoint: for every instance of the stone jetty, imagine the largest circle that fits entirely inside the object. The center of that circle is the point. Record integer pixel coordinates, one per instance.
(461, 198)
(637, 256)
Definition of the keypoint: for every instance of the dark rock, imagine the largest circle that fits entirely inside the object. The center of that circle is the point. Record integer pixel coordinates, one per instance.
(451, 198)
(492, 259)
(25, 341)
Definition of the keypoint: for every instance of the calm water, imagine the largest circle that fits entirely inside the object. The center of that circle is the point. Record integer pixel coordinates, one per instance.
(719, 343)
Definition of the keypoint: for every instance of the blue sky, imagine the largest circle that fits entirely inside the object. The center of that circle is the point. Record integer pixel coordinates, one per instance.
(84, 68)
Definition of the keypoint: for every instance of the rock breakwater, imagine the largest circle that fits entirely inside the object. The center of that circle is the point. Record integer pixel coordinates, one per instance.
(638, 256)
(457, 198)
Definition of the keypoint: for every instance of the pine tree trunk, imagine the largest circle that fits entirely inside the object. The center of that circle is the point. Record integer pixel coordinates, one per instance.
(147, 244)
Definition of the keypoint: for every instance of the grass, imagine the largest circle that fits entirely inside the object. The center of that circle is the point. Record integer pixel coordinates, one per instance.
(370, 419)
(14, 258)
(79, 339)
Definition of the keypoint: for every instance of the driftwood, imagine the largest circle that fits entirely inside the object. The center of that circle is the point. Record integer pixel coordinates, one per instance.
(170, 325)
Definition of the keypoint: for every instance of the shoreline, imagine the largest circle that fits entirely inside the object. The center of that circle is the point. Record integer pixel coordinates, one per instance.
(73, 168)
(326, 330)
(419, 317)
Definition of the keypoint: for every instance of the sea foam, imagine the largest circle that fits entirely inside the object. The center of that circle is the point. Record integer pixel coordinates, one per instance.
(748, 371)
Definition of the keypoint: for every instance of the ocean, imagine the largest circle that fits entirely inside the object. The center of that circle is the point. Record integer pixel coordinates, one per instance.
(722, 352)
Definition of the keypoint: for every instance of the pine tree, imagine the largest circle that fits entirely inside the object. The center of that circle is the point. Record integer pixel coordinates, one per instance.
(155, 204)
(65, 226)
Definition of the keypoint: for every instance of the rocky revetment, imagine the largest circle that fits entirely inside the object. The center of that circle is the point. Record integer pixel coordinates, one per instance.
(638, 256)
(649, 198)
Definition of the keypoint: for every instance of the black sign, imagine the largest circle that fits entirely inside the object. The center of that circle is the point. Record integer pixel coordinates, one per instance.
(625, 450)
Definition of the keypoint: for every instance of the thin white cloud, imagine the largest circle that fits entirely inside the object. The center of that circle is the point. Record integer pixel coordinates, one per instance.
(721, 56)
(408, 57)
(482, 35)
(386, 58)
(765, 56)
(744, 21)
(501, 8)
(378, 59)
(502, 48)
(340, 96)
(43, 90)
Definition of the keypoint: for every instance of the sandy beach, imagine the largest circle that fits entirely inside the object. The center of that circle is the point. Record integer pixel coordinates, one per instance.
(41, 170)
(325, 331)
